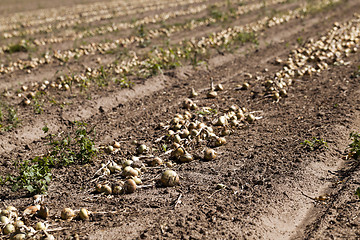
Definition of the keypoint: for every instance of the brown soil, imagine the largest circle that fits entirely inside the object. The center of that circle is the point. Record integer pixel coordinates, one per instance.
(271, 179)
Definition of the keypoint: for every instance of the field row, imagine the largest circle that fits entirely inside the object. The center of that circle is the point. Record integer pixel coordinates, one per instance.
(83, 14)
(105, 48)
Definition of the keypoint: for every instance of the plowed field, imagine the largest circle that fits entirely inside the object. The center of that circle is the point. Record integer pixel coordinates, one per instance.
(252, 104)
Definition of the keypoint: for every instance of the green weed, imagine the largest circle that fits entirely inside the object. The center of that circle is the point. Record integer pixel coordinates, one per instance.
(207, 111)
(22, 46)
(124, 82)
(357, 192)
(315, 144)
(245, 37)
(65, 149)
(356, 73)
(354, 147)
(8, 117)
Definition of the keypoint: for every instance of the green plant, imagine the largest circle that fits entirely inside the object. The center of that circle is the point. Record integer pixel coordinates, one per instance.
(34, 177)
(142, 33)
(357, 192)
(124, 82)
(207, 111)
(215, 12)
(314, 144)
(101, 79)
(354, 151)
(244, 37)
(300, 40)
(8, 117)
(22, 46)
(66, 149)
(38, 103)
(356, 73)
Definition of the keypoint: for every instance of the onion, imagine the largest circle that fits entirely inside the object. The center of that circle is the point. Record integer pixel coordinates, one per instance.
(283, 92)
(4, 220)
(19, 236)
(137, 180)
(5, 213)
(221, 121)
(187, 103)
(118, 189)
(193, 93)
(169, 178)
(187, 157)
(219, 87)
(9, 228)
(250, 118)
(220, 141)
(116, 144)
(130, 172)
(177, 152)
(32, 209)
(67, 214)
(245, 86)
(142, 149)
(84, 214)
(129, 186)
(156, 162)
(185, 133)
(209, 154)
(276, 96)
(98, 188)
(43, 212)
(106, 189)
(212, 94)
(11, 209)
(18, 224)
(40, 226)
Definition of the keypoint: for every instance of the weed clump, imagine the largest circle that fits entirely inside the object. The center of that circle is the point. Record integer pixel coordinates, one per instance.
(315, 144)
(66, 149)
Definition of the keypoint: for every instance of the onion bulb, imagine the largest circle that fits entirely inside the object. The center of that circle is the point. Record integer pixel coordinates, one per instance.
(67, 214)
(129, 186)
(169, 178)
(84, 214)
(209, 154)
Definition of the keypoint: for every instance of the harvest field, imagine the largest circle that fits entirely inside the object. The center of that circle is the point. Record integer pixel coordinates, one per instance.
(190, 119)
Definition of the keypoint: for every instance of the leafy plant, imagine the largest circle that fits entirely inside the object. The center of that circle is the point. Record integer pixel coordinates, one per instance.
(245, 37)
(124, 82)
(101, 79)
(300, 41)
(34, 177)
(315, 144)
(8, 117)
(207, 111)
(66, 149)
(356, 73)
(354, 151)
(357, 192)
(22, 46)
(215, 12)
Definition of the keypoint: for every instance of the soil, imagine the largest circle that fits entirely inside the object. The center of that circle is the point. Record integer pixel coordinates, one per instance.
(272, 181)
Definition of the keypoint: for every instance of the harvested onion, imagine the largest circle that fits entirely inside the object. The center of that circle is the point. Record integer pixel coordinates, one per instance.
(129, 186)
(67, 214)
(209, 154)
(169, 178)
